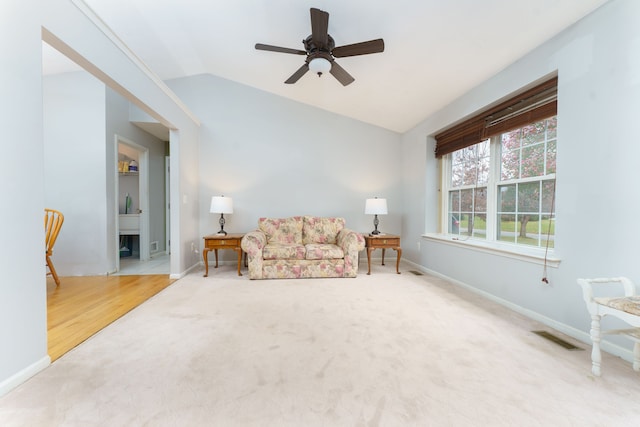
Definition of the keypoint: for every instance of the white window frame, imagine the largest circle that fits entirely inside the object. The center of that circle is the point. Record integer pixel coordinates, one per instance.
(536, 254)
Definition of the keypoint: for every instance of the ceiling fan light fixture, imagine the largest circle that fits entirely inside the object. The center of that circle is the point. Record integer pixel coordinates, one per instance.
(320, 51)
(320, 65)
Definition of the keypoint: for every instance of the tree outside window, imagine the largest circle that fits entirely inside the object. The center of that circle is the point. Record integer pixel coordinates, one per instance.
(521, 180)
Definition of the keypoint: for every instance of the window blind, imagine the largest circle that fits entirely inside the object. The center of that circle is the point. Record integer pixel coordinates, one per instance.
(535, 104)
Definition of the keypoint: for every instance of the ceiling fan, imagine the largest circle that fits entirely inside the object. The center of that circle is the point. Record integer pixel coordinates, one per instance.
(320, 50)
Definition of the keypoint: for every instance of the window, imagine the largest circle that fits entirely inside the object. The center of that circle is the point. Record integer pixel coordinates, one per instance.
(468, 190)
(500, 172)
(526, 189)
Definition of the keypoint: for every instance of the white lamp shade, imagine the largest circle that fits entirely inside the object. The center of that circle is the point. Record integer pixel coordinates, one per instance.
(320, 65)
(221, 204)
(375, 206)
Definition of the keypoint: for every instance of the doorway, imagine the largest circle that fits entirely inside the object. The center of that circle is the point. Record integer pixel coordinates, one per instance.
(132, 195)
(112, 222)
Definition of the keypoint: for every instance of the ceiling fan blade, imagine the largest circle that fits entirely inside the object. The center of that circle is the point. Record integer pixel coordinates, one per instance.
(319, 27)
(364, 48)
(341, 74)
(271, 48)
(296, 76)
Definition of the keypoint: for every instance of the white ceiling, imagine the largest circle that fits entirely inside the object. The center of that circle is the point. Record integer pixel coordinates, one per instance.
(435, 50)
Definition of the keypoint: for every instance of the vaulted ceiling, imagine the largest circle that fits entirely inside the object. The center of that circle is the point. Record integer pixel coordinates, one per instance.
(435, 50)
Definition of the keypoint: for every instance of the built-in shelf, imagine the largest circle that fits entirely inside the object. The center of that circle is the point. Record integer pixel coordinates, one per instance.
(128, 173)
(129, 224)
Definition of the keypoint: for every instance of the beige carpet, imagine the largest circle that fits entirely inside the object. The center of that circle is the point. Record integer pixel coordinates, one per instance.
(379, 350)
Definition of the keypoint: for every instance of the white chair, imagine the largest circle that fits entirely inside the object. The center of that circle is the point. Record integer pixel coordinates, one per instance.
(626, 308)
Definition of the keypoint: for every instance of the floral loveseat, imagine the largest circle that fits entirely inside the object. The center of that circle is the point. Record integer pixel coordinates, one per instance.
(302, 247)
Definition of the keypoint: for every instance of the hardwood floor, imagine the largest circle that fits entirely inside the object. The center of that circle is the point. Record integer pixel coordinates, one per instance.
(81, 306)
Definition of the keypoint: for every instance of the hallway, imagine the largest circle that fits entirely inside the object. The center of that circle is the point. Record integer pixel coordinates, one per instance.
(157, 264)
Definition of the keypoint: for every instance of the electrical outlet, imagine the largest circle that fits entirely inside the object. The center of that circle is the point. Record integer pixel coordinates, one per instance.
(418, 243)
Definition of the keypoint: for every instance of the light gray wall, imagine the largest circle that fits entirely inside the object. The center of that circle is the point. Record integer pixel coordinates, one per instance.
(74, 30)
(75, 170)
(67, 26)
(598, 64)
(598, 67)
(118, 124)
(23, 327)
(81, 120)
(278, 158)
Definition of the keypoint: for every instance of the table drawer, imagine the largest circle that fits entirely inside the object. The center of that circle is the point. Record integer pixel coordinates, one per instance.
(384, 243)
(222, 243)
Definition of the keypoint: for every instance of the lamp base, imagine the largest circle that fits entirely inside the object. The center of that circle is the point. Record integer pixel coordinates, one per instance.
(222, 221)
(375, 232)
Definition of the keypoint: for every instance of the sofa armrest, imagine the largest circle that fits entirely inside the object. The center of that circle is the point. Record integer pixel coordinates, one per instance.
(351, 243)
(350, 240)
(252, 243)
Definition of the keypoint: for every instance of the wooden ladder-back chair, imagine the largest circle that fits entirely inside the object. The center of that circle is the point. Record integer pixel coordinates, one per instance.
(52, 224)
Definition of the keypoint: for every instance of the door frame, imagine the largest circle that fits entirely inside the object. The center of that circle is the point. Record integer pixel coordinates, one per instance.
(143, 194)
(167, 204)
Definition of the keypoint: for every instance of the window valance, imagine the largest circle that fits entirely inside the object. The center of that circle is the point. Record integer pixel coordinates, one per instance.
(537, 103)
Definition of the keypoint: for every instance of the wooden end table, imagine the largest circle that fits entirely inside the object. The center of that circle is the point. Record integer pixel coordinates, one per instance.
(382, 241)
(221, 241)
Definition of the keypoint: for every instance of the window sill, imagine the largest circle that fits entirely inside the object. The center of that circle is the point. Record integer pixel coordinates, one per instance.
(534, 255)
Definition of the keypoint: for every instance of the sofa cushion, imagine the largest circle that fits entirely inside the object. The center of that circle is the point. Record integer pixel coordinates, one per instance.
(321, 230)
(282, 230)
(324, 251)
(283, 251)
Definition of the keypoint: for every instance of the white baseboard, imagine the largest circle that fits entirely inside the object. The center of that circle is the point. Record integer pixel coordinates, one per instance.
(184, 273)
(582, 336)
(221, 262)
(15, 380)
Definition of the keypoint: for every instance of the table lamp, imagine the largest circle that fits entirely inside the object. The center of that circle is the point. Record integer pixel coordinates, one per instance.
(222, 205)
(375, 207)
